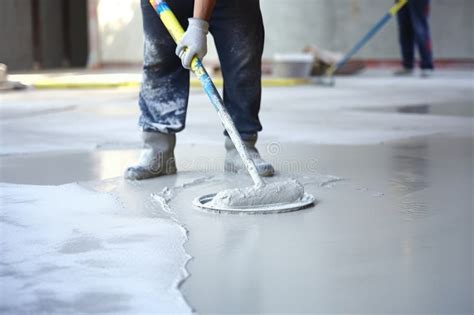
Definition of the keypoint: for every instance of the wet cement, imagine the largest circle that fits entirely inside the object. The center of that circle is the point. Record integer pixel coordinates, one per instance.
(396, 237)
(391, 231)
(461, 110)
(70, 250)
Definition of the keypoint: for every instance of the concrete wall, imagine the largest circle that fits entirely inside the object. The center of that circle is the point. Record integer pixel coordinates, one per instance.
(16, 34)
(115, 32)
(120, 35)
(291, 25)
(52, 34)
(56, 38)
(333, 24)
(338, 24)
(78, 41)
(16, 48)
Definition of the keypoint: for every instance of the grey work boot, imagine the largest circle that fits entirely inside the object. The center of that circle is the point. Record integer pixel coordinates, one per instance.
(233, 163)
(403, 72)
(427, 73)
(157, 157)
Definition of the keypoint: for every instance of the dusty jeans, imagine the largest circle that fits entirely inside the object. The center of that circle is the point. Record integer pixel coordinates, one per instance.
(238, 32)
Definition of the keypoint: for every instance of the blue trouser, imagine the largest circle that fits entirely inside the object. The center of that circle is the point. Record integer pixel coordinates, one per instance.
(414, 29)
(238, 32)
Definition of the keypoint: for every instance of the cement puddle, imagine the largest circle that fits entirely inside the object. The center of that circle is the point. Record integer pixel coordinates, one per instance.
(57, 168)
(38, 112)
(67, 249)
(462, 109)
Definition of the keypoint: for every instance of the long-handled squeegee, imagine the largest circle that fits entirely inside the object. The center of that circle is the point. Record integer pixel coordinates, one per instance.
(262, 197)
(328, 78)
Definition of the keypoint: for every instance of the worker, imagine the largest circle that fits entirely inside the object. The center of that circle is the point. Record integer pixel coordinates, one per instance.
(238, 32)
(414, 30)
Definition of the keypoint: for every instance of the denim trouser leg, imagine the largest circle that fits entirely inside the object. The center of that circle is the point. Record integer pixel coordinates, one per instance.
(419, 11)
(414, 29)
(406, 38)
(238, 32)
(165, 88)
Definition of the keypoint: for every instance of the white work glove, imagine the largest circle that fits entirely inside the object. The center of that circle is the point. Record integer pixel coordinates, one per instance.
(194, 42)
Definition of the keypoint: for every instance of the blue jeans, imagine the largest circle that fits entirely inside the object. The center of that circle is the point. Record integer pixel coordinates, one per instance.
(238, 32)
(414, 29)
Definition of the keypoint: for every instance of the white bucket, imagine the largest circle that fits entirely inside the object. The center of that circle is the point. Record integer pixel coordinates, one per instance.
(295, 65)
(3, 73)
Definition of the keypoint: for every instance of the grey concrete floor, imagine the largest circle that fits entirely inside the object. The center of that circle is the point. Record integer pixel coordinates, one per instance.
(390, 161)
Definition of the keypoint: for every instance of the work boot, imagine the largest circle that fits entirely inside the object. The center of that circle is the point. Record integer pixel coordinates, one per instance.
(427, 73)
(403, 72)
(157, 157)
(233, 163)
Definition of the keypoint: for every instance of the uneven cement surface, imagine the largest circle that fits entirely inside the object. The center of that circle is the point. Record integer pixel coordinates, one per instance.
(391, 231)
(69, 249)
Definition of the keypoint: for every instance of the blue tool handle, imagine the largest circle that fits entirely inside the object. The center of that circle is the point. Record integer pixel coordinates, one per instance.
(374, 30)
(362, 42)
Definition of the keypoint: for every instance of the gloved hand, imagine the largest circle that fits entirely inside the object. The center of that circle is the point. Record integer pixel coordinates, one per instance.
(194, 42)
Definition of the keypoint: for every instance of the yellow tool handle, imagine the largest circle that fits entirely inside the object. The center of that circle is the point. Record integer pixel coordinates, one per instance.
(174, 28)
(394, 10)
